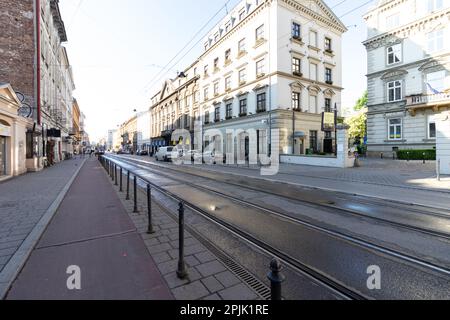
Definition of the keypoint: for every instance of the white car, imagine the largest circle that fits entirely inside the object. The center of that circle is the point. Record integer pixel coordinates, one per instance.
(164, 154)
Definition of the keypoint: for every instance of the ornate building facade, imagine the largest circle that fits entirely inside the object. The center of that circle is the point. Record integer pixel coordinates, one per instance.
(408, 74)
(272, 64)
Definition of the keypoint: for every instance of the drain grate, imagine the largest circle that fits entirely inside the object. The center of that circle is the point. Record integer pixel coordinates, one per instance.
(245, 276)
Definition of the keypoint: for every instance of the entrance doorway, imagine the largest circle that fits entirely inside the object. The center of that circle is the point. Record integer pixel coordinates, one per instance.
(2, 156)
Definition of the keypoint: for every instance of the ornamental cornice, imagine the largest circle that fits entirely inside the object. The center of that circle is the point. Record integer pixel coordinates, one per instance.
(395, 36)
(330, 21)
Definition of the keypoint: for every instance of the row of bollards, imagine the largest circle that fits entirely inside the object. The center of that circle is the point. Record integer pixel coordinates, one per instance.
(275, 276)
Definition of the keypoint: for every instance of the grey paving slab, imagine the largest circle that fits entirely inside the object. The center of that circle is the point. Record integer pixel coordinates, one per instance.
(210, 268)
(192, 291)
(212, 284)
(227, 279)
(238, 292)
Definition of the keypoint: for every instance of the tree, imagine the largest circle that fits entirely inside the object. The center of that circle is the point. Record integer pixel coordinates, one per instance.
(362, 102)
(358, 121)
(357, 124)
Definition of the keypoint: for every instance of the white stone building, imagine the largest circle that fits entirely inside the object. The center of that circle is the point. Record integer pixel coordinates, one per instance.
(269, 64)
(57, 84)
(408, 74)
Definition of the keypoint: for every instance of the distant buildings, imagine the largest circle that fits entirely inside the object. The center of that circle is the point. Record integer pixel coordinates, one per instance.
(34, 31)
(408, 50)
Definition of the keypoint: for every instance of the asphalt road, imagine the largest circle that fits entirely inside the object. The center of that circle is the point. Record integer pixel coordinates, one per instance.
(341, 260)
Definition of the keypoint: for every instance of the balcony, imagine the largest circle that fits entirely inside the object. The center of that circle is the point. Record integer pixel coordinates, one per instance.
(424, 101)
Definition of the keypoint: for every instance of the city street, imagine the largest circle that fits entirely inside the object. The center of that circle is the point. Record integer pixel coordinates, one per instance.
(252, 157)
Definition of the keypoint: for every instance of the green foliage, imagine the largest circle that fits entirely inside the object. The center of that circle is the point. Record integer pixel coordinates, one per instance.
(362, 102)
(416, 154)
(357, 124)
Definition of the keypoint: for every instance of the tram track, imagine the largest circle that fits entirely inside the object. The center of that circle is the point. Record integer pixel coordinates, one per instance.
(287, 258)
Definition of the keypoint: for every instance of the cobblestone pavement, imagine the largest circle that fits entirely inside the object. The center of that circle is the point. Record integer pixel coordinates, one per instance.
(209, 278)
(25, 199)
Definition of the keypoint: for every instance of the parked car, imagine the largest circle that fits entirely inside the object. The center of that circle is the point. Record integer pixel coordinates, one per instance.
(165, 154)
(193, 155)
(142, 153)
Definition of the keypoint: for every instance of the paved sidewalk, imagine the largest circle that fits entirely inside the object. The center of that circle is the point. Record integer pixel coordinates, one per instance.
(209, 278)
(92, 231)
(27, 203)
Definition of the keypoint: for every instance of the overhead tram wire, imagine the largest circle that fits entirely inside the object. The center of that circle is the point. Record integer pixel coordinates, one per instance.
(152, 82)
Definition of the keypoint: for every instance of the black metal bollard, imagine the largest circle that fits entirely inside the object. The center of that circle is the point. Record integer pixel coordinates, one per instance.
(382, 155)
(149, 209)
(121, 180)
(128, 186)
(407, 156)
(181, 272)
(135, 210)
(424, 155)
(113, 168)
(116, 182)
(276, 279)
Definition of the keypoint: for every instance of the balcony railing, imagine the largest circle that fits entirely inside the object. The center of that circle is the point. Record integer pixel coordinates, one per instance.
(427, 99)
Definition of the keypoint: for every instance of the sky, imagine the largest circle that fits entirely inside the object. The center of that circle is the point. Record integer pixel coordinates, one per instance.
(117, 47)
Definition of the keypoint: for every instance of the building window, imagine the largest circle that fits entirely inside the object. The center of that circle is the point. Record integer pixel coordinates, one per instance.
(327, 105)
(228, 83)
(313, 104)
(434, 5)
(242, 76)
(296, 101)
(241, 15)
(296, 66)
(313, 39)
(217, 114)
(206, 70)
(394, 54)
(260, 33)
(216, 64)
(328, 45)
(395, 129)
(394, 91)
(313, 141)
(243, 107)
(261, 102)
(228, 27)
(328, 76)
(227, 55)
(216, 88)
(296, 31)
(206, 93)
(435, 41)
(393, 21)
(260, 68)
(206, 117)
(229, 111)
(241, 46)
(431, 127)
(313, 71)
(436, 82)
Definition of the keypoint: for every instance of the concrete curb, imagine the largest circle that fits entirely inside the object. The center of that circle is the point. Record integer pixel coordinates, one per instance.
(18, 260)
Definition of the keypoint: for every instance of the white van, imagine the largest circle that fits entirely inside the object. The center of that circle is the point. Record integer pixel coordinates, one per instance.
(164, 154)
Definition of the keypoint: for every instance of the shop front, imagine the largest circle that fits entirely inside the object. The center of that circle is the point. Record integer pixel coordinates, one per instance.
(13, 134)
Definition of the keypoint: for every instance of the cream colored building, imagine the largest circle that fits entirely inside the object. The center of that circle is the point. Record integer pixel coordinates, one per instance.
(269, 64)
(13, 135)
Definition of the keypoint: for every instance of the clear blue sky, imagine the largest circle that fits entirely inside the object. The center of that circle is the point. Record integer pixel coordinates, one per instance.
(116, 47)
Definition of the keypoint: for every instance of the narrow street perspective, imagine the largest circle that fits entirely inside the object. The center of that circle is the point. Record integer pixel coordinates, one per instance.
(273, 151)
